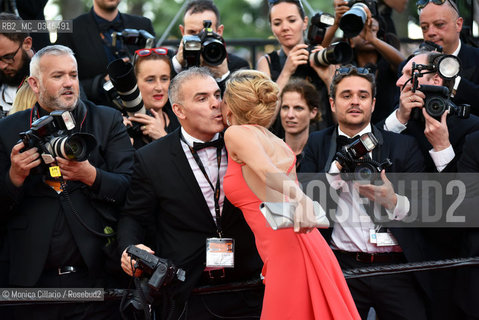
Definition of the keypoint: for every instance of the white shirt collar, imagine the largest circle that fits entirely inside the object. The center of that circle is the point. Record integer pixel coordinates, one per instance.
(367, 129)
(456, 52)
(190, 139)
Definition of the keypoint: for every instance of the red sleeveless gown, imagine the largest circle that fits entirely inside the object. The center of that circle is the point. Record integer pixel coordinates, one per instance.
(302, 277)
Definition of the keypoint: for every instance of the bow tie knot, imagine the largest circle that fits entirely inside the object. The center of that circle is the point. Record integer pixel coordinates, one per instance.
(342, 141)
(218, 143)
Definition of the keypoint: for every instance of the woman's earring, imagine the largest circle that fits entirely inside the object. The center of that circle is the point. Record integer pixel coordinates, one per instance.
(228, 122)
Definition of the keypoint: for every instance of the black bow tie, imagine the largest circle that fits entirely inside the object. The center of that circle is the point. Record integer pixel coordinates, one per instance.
(218, 143)
(106, 26)
(344, 141)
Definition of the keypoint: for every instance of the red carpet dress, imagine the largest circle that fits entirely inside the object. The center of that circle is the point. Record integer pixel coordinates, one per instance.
(301, 274)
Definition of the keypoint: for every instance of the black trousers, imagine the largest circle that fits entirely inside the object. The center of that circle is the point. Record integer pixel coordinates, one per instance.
(239, 305)
(394, 297)
(73, 311)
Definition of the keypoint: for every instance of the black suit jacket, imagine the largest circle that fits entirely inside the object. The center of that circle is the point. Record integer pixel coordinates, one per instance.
(468, 90)
(405, 156)
(164, 194)
(31, 210)
(90, 54)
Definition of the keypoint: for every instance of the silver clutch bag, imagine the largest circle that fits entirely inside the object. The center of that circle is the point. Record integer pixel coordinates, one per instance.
(280, 215)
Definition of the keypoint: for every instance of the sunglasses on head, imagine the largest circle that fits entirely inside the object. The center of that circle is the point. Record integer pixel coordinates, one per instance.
(420, 4)
(148, 51)
(344, 71)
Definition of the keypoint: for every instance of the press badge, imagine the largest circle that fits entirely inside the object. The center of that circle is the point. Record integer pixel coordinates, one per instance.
(385, 239)
(220, 252)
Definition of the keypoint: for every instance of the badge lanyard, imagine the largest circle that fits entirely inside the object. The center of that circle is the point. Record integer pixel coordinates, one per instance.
(216, 189)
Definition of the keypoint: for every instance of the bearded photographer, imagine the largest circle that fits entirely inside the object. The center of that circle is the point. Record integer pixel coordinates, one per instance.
(352, 100)
(56, 211)
(196, 13)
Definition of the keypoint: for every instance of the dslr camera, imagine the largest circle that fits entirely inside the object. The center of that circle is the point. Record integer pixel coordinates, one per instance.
(160, 272)
(207, 44)
(52, 135)
(357, 167)
(438, 101)
(337, 53)
(124, 92)
(353, 20)
(140, 38)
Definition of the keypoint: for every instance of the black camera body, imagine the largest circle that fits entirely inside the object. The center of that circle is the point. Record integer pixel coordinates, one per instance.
(438, 101)
(207, 44)
(353, 20)
(161, 272)
(51, 134)
(336, 53)
(355, 166)
(140, 38)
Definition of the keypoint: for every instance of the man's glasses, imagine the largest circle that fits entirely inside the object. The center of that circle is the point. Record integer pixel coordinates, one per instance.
(10, 58)
(148, 51)
(345, 71)
(420, 4)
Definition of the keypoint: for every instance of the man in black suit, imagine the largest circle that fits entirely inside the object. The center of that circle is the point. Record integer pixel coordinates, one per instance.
(91, 41)
(357, 239)
(52, 218)
(195, 13)
(176, 195)
(442, 24)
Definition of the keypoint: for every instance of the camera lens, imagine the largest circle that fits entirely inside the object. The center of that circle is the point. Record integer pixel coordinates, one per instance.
(337, 53)
(214, 52)
(352, 22)
(365, 171)
(75, 147)
(436, 106)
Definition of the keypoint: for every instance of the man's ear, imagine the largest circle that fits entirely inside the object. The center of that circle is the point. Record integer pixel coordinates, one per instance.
(27, 43)
(182, 30)
(373, 105)
(333, 106)
(220, 30)
(179, 111)
(34, 84)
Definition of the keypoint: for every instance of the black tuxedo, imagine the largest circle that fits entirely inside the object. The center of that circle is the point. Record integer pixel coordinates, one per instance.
(467, 278)
(32, 210)
(165, 198)
(405, 157)
(467, 91)
(89, 51)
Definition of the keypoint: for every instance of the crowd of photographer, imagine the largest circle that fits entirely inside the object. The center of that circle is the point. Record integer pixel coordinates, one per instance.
(77, 198)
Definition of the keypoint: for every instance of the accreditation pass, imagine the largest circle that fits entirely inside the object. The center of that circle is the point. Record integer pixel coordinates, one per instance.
(220, 252)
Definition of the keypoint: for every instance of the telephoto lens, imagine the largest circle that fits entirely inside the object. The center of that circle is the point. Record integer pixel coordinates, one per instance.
(337, 53)
(352, 22)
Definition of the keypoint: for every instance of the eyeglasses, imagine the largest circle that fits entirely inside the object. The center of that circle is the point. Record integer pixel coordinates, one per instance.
(148, 51)
(10, 57)
(420, 4)
(345, 71)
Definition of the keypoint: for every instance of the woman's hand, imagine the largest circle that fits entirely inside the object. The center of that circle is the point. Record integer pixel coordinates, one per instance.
(152, 126)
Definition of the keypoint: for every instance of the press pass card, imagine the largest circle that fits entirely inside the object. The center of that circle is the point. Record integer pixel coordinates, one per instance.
(220, 252)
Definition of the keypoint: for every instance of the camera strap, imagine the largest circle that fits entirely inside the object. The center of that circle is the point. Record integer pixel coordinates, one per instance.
(216, 189)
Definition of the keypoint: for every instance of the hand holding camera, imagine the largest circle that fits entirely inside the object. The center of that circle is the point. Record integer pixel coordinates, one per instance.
(436, 131)
(383, 194)
(22, 163)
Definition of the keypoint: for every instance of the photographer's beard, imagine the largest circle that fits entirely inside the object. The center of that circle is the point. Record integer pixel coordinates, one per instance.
(65, 99)
(21, 73)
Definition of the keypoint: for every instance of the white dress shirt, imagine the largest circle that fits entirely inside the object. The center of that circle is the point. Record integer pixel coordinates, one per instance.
(208, 158)
(353, 225)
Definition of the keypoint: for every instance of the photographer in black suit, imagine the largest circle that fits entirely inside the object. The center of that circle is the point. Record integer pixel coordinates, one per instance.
(176, 197)
(195, 13)
(91, 41)
(352, 99)
(51, 220)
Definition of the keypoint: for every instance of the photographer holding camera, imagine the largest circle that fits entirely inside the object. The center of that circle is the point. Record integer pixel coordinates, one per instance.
(58, 198)
(352, 237)
(205, 44)
(92, 37)
(371, 49)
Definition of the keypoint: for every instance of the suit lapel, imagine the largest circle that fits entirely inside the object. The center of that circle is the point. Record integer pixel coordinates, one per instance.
(185, 173)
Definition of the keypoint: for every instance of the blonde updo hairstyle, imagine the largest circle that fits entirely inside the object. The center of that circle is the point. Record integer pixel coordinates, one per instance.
(252, 97)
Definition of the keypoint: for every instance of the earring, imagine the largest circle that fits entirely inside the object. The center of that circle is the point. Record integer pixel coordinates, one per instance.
(228, 122)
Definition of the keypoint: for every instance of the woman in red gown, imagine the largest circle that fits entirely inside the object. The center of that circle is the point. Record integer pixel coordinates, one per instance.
(302, 277)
